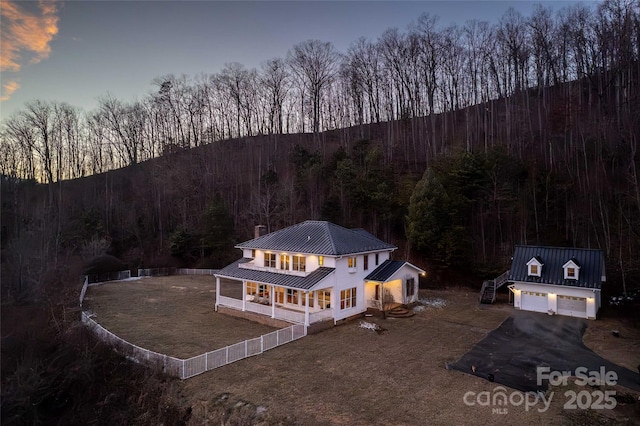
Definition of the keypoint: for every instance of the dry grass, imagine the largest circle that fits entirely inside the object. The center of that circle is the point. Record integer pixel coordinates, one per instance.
(349, 375)
(171, 315)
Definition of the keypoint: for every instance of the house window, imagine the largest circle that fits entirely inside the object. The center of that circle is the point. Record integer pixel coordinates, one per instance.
(284, 262)
(270, 260)
(299, 263)
(534, 267)
(255, 289)
(376, 295)
(348, 298)
(252, 289)
(253, 253)
(324, 299)
(571, 270)
(377, 259)
(411, 287)
(279, 295)
(292, 296)
(351, 264)
(320, 260)
(304, 299)
(365, 263)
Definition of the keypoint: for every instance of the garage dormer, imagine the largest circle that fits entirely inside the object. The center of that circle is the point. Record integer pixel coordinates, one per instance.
(571, 269)
(534, 267)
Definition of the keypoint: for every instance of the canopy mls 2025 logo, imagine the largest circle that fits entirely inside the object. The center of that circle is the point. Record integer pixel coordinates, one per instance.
(500, 400)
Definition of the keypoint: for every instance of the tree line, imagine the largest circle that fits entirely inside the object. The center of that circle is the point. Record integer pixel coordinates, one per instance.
(544, 162)
(418, 73)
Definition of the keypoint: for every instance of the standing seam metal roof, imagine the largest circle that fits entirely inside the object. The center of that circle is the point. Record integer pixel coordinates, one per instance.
(591, 261)
(280, 279)
(318, 237)
(386, 269)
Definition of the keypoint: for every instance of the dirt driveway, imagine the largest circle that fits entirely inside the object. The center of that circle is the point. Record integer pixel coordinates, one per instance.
(512, 353)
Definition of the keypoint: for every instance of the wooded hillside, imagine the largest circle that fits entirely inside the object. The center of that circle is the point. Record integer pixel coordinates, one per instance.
(453, 143)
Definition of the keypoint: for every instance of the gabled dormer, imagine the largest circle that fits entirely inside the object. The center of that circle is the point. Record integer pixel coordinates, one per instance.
(571, 269)
(534, 267)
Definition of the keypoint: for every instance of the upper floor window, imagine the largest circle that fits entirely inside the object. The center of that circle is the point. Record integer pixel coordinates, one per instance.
(270, 260)
(299, 263)
(253, 253)
(365, 262)
(351, 262)
(571, 270)
(284, 262)
(534, 267)
(377, 259)
(320, 260)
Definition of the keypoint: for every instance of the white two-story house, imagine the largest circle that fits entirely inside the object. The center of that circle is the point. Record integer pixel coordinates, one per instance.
(315, 271)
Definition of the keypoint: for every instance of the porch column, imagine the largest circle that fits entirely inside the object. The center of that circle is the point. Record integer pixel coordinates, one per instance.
(244, 295)
(306, 309)
(217, 292)
(273, 301)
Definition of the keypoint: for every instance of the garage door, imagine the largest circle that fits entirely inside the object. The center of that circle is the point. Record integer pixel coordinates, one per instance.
(534, 301)
(572, 306)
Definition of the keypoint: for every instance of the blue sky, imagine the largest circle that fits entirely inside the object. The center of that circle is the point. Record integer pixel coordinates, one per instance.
(78, 51)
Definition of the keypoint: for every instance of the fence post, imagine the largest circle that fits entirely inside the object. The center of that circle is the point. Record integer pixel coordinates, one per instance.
(226, 361)
(245, 349)
(292, 332)
(206, 361)
(262, 344)
(182, 369)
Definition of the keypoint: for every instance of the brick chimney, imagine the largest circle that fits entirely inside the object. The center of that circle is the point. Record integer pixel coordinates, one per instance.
(259, 231)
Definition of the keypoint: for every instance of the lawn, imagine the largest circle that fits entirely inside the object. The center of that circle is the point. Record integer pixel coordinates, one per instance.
(170, 315)
(347, 375)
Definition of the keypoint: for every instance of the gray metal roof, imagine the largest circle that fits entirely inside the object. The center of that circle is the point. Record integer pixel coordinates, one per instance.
(591, 264)
(386, 269)
(284, 280)
(318, 237)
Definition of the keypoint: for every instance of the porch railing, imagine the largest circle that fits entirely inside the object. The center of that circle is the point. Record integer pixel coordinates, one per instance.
(288, 315)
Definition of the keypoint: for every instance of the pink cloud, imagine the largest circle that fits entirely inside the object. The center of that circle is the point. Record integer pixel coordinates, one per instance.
(25, 35)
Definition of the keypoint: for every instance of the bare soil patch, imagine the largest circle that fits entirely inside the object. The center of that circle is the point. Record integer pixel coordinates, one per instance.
(171, 315)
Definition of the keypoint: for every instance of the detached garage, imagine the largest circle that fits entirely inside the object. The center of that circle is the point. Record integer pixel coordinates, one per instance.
(557, 280)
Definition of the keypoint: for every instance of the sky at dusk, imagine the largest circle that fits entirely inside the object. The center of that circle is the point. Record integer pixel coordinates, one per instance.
(78, 51)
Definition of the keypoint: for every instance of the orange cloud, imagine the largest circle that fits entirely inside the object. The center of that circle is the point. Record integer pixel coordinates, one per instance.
(25, 35)
(8, 88)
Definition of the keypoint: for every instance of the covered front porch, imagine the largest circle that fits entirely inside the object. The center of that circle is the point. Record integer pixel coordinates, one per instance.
(278, 302)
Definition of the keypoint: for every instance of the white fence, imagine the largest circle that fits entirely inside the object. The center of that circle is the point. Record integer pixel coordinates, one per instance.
(162, 272)
(108, 276)
(185, 368)
(84, 289)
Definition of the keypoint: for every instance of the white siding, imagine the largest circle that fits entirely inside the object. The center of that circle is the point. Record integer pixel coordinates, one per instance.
(555, 302)
(346, 279)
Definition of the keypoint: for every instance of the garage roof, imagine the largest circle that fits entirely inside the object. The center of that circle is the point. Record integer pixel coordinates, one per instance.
(592, 270)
